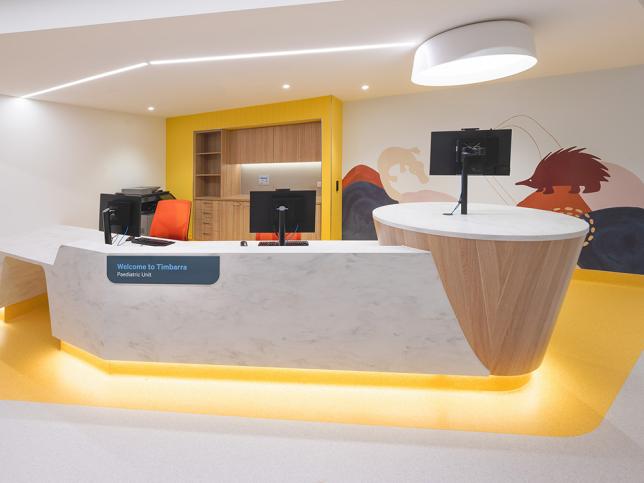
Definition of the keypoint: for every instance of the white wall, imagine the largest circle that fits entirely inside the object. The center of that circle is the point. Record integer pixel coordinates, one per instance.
(55, 160)
(602, 111)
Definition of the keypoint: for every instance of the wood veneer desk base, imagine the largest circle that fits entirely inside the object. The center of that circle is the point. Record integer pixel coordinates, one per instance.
(506, 294)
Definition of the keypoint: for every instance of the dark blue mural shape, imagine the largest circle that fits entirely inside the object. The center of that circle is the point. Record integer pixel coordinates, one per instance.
(359, 199)
(618, 241)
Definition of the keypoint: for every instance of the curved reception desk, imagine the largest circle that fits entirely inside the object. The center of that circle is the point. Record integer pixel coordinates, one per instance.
(453, 295)
(505, 271)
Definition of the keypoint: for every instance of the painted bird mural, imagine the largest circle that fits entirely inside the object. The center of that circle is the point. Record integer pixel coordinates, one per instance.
(568, 167)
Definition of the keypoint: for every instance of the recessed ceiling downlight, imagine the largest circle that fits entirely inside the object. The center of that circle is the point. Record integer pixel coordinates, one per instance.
(475, 53)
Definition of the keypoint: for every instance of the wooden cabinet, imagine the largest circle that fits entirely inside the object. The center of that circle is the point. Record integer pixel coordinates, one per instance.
(220, 212)
(207, 220)
(297, 142)
(251, 145)
(286, 143)
(230, 220)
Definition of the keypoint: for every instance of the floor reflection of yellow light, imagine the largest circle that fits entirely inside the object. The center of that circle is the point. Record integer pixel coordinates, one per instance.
(598, 338)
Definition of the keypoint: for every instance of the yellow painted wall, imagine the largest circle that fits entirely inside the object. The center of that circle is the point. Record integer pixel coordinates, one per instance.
(328, 109)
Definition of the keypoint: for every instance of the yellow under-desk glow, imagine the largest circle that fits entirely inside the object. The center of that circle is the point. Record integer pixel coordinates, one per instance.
(299, 376)
(598, 338)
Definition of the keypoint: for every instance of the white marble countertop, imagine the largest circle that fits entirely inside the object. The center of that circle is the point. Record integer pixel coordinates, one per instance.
(217, 247)
(41, 246)
(483, 221)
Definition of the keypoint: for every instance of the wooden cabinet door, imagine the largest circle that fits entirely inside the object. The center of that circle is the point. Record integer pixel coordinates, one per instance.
(238, 214)
(316, 235)
(298, 142)
(285, 143)
(234, 220)
(227, 220)
(245, 217)
(251, 145)
(309, 141)
(236, 142)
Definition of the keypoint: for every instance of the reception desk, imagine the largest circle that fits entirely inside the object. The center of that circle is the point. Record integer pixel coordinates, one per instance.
(417, 301)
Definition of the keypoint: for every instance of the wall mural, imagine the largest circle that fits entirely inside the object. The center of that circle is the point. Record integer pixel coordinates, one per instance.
(571, 180)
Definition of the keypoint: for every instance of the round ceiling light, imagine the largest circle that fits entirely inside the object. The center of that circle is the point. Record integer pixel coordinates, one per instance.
(475, 53)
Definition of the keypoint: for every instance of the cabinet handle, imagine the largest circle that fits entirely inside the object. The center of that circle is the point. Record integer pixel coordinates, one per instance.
(337, 185)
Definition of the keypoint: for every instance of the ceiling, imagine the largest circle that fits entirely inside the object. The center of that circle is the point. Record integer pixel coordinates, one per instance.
(571, 36)
(29, 15)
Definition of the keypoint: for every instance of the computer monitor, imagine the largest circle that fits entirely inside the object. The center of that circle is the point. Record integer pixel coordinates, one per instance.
(119, 214)
(282, 211)
(470, 152)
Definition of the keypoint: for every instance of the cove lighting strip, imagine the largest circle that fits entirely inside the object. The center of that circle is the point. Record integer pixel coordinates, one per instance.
(283, 53)
(87, 79)
(220, 58)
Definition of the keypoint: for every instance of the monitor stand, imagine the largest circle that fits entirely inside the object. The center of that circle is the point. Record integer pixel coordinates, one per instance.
(281, 232)
(107, 225)
(462, 199)
(464, 153)
(281, 224)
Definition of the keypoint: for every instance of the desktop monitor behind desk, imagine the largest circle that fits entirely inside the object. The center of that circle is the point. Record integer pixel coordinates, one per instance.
(120, 214)
(282, 211)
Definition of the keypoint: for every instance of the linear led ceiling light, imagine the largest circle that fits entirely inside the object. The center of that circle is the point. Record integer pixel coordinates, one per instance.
(283, 53)
(475, 53)
(86, 79)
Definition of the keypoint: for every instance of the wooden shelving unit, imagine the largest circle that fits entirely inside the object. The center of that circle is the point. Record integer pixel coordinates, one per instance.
(207, 163)
(220, 211)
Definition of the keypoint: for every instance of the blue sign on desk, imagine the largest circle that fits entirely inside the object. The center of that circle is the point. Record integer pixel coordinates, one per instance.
(154, 269)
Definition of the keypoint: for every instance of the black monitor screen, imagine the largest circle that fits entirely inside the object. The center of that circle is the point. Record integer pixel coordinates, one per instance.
(126, 219)
(300, 216)
(487, 152)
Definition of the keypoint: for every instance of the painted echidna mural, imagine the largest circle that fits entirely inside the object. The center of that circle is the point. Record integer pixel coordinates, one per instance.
(615, 239)
(568, 167)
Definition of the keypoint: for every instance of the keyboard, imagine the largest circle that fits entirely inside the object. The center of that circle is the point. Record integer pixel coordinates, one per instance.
(289, 243)
(151, 242)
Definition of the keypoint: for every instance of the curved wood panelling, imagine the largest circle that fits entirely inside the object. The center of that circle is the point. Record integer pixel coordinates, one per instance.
(505, 294)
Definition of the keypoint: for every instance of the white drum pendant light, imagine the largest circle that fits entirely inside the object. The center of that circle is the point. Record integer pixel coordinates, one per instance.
(475, 53)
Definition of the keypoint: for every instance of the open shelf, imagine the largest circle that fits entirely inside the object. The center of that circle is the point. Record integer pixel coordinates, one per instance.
(207, 186)
(208, 142)
(207, 163)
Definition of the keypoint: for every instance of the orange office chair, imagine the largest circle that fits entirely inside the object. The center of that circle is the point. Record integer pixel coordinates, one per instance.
(273, 236)
(171, 220)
